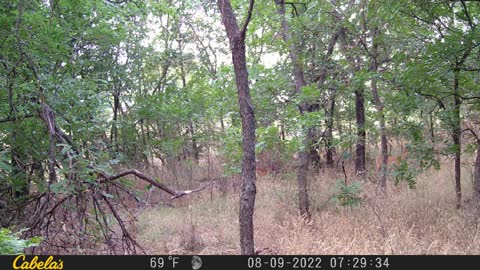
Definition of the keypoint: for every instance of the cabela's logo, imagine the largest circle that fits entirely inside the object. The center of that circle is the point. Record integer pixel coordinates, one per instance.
(21, 262)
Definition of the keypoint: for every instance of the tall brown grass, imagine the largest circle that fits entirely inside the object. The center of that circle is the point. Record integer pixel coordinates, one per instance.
(421, 221)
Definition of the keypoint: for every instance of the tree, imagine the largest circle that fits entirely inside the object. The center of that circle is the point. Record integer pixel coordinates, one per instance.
(236, 37)
(300, 83)
(450, 62)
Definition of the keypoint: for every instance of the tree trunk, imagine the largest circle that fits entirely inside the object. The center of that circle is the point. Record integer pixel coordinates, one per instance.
(236, 39)
(379, 105)
(191, 126)
(432, 130)
(114, 131)
(384, 151)
(144, 141)
(456, 139)
(282, 131)
(298, 74)
(222, 124)
(21, 188)
(330, 112)
(302, 184)
(360, 148)
(116, 105)
(329, 134)
(195, 149)
(476, 177)
(361, 134)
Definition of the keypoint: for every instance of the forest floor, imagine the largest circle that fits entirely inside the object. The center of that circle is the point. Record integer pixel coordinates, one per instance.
(420, 221)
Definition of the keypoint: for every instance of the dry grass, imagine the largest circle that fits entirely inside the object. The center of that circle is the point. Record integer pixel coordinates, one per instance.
(421, 221)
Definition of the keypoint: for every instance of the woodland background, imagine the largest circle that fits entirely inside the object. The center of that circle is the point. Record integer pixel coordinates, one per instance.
(340, 127)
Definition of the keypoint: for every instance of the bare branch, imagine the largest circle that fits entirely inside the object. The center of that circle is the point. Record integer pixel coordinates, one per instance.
(117, 2)
(331, 45)
(175, 194)
(467, 14)
(295, 3)
(473, 133)
(465, 97)
(247, 20)
(428, 22)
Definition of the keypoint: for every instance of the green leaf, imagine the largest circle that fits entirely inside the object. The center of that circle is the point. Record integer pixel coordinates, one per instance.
(12, 244)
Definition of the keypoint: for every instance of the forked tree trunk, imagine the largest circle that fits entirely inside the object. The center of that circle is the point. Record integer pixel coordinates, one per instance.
(236, 38)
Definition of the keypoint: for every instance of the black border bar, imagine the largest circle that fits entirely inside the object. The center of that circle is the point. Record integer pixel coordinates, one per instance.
(222, 262)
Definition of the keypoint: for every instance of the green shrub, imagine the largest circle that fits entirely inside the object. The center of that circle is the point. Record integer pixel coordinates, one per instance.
(347, 195)
(12, 244)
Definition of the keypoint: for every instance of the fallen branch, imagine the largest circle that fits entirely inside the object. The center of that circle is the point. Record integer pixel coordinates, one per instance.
(175, 194)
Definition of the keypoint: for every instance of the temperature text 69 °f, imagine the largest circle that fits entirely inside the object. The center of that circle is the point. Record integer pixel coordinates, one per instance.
(169, 262)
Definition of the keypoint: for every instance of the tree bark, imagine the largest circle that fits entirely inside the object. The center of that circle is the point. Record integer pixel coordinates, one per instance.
(476, 177)
(361, 134)
(195, 148)
(384, 152)
(329, 134)
(114, 131)
(282, 132)
(298, 74)
(236, 39)
(222, 124)
(432, 129)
